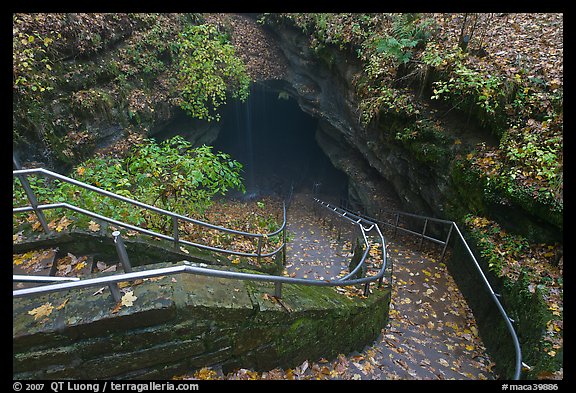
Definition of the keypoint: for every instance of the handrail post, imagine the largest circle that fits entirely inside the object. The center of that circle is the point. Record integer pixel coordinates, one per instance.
(31, 196)
(284, 235)
(284, 246)
(122, 254)
(175, 233)
(396, 224)
(423, 232)
(115, 291)
(447, 241)
(259, 252)
(278, 289)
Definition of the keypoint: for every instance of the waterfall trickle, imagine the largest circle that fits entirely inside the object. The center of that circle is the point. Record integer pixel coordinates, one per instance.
(275, 141)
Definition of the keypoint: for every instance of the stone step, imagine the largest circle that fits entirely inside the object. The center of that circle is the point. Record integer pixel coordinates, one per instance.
(54, 262)
(36, 262)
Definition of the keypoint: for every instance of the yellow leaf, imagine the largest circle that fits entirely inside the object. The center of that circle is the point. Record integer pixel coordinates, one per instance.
(205, 373)
(470, 347)
(63, 224)
(80, 266)
(42, 311)
(36, 226)
(80, 170)
(93, 226)
(60, 307)
(128, 299)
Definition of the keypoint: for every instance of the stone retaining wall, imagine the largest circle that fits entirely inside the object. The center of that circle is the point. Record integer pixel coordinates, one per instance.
(183, 322)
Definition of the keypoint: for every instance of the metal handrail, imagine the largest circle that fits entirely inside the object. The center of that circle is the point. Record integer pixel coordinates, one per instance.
(508, 321)
(146, 206)
(38, 208)
(202, 269)
(149, 232)
(358, 220)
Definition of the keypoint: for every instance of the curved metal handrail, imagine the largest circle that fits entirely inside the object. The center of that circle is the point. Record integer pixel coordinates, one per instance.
(202, 269)
(45, 172)
(38, 208)
(149, 232)
(508, 321)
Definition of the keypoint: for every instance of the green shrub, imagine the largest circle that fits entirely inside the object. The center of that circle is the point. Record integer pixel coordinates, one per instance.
(208, 70)
(171, 175)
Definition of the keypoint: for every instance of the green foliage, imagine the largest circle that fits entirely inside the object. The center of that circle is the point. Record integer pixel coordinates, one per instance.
(171, 175)
(178, 178)
(32, 67)
(466, 84)
(380, 41)
(208, 69)
(396, 48)
(381, 53)
(383, 99)
(408, 31)
(426, 141)
(527, 168)
(500, 249)
(535, 151)
(532, 289)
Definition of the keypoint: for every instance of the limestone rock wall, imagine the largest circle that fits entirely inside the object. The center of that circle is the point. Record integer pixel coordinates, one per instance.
(184, 322)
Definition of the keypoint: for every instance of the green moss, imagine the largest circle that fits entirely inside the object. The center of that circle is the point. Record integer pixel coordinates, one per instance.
(524, 290)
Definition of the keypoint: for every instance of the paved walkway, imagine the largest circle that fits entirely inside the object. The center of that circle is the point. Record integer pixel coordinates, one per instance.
(431, 333)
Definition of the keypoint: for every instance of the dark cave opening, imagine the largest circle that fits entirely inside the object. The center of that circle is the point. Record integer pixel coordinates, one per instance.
(275, 141)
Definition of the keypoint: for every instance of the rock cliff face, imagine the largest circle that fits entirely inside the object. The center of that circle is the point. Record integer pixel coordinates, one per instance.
(424, 176)
(116, 83)
(324, 89)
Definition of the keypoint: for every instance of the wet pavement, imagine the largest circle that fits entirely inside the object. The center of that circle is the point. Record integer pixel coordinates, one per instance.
(431, 333)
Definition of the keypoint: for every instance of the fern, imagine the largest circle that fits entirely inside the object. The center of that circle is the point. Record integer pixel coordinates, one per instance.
(407, 32)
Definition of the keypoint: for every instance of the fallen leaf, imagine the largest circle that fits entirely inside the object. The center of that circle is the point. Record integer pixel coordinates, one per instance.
(117, 307)
(60, 307)
(128, 299)
(63, 224)
(93, 226)
(42, 311)
(80, 266)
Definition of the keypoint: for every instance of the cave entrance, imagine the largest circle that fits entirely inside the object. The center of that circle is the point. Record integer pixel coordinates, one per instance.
(275, 141)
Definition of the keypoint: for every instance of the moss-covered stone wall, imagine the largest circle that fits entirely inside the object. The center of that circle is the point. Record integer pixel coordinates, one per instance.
(183, 322)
